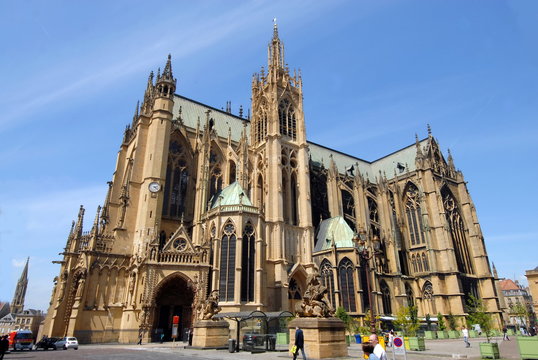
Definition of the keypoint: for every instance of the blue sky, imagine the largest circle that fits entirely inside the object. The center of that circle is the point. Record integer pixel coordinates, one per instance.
(374, 72)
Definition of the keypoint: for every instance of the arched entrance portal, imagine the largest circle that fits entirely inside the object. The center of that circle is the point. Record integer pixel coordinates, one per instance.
(173, 297)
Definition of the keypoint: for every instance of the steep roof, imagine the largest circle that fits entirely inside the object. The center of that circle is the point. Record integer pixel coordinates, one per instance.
(334, 229)
(193, 114)
(508, 284)
(232, 194)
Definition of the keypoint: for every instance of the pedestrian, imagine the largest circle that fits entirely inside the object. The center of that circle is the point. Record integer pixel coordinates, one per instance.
(162, 337)
(465, 334)
(139, 339)
(391, 338)
(190, 336)
(299, 343)
(505, 333)
(368, 350)
(4, 345)
(378, 349)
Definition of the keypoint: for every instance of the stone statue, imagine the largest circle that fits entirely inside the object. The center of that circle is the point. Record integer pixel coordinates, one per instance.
(209, 307)
(315, 302)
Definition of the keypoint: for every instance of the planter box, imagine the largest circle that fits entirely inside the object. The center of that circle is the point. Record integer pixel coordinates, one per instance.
(528, 346)
(442, 334)
(417, 344)
(430, 335)
(453, 334)
(489, 350)
(282, 338)
(472, 334)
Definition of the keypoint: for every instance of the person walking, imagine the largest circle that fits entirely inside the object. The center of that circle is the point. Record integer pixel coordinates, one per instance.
(465, 334)
(505, 334)
(299, 343)
(378, 349)
(4, 345)
(368, 350)
(162, 337)
(391, 338)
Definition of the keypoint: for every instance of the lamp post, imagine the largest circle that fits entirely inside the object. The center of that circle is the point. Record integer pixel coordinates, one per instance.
(365, 256)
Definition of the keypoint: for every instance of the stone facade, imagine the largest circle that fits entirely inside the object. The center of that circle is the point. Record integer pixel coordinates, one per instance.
(247, 206)
(532, 278)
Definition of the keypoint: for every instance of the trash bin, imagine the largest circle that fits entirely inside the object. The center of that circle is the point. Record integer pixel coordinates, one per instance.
(231, 345)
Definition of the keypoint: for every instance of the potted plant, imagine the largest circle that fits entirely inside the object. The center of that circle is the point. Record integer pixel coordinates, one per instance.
(528, 345)
(452, 323)
(407, 321)
(429, 334)
(478, 315)
(441, 327)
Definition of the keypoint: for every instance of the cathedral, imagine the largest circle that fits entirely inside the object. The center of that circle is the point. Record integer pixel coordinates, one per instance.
(202, 200)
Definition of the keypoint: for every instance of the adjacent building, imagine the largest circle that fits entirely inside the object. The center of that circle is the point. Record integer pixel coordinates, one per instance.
(202, 199)
(519, 311)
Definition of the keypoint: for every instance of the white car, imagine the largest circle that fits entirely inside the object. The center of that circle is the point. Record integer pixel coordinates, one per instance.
(66, 343)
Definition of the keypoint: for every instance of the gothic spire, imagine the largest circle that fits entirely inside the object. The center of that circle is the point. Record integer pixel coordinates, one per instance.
(276, 51)
(17, 304)
(165, 83)
(80, 220)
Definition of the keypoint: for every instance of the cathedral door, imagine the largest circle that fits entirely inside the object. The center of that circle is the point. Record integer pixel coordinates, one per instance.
(174, 298)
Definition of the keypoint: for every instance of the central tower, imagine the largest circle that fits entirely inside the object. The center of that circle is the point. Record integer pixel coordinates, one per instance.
(278, 140)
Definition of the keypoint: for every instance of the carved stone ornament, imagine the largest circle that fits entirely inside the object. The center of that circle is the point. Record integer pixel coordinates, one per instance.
(315, 302)
(210, 307)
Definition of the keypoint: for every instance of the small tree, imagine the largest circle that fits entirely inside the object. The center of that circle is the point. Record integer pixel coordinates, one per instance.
(428, 322)
(478, 315)
(520, 311)
(451, 321)
(407, 320)
(441, 322)
(348, 320)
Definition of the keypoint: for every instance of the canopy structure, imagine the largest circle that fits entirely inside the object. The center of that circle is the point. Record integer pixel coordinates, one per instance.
(246, 315)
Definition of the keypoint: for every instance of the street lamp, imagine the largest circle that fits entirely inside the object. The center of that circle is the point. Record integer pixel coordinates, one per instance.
(364, 255)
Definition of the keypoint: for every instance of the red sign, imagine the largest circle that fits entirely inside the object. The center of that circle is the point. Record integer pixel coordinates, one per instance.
(175, 320)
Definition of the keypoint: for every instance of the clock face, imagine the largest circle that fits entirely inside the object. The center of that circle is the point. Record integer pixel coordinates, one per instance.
(154, 186)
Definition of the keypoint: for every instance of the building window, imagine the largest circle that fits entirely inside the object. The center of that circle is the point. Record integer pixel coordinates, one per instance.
(215, 173)
(227, 263)
(327, 279)
(457, 232)
(177, 179)
(294, 291)
(385, 293)
(348, 206)
(374, 217)
(248, 257)
(287, 120)
(347, 287)
(260, 123)
(414, 215)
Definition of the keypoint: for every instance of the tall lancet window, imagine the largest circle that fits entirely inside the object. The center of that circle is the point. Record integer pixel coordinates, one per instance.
(287, 120)
(347, 287)
(327, 279)
(215, 177)
(248, 258)
(260, 125)
(385, 297)
(374, 217)
(177, 180)
(227, 263)
(457, 232)
(413, 215)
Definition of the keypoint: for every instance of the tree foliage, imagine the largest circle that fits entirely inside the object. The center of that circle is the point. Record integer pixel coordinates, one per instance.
(451, 321)
(478, 315)
(441, 322)
(407, 320)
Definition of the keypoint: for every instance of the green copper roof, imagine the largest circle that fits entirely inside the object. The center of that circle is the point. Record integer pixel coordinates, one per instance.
(232, 194)
(334, 229)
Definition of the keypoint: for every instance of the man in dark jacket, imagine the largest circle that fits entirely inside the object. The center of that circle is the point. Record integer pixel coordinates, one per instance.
(299, 342)
(4, 345)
